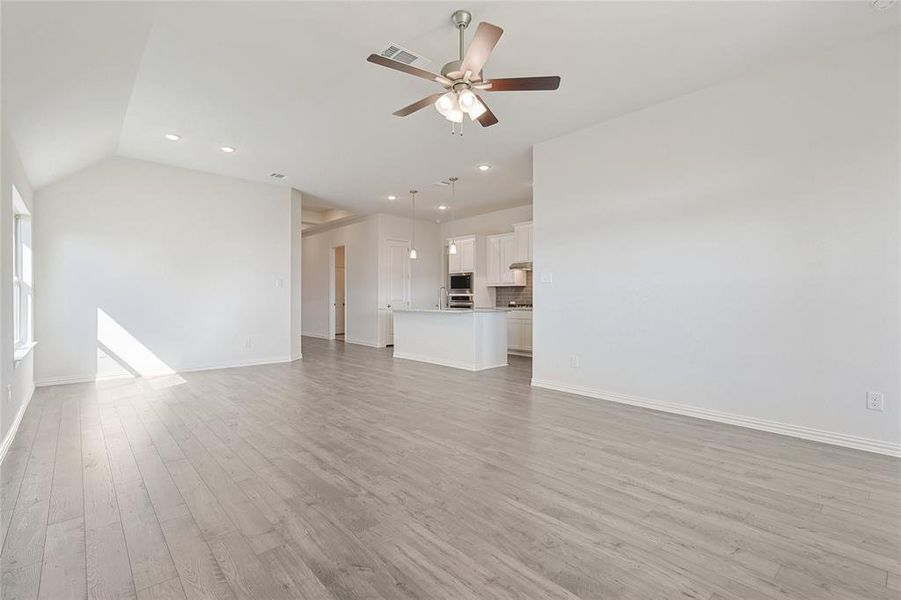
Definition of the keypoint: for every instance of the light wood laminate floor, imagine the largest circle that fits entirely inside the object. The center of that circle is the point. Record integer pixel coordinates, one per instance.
(351, 475)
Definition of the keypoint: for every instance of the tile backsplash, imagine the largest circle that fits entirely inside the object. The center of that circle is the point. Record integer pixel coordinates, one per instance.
(521, 295)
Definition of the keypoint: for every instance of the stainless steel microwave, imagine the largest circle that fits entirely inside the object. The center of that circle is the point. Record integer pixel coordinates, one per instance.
(461, 281)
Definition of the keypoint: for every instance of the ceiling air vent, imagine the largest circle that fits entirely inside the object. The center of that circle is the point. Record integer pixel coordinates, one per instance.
(404, 55)
(277, 175)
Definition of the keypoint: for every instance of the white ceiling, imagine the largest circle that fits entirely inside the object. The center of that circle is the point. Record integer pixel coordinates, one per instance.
(287, 84)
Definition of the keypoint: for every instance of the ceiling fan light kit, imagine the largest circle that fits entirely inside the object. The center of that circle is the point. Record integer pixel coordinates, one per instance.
(462, 78)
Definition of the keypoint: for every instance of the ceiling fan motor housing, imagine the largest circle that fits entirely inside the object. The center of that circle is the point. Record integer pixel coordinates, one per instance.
(452, 69)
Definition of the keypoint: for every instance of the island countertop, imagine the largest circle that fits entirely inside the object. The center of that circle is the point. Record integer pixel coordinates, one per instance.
(451, 311)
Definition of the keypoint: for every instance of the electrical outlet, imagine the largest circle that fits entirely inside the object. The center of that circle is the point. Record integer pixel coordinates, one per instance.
(574, 361)
(248, 344)
(875, 401)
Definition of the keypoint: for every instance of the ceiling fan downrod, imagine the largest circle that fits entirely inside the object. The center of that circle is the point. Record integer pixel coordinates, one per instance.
(461, 19)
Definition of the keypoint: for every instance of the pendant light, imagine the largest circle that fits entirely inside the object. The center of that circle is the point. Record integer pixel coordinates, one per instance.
(452, 247)
(413, 225)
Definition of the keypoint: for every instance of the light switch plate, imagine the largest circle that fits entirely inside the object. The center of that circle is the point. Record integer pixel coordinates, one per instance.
(547, 277)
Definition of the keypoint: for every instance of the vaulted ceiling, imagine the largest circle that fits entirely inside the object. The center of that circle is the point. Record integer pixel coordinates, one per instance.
(287, 84)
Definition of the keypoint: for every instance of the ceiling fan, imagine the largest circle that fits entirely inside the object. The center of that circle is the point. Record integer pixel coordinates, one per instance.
(463, 78)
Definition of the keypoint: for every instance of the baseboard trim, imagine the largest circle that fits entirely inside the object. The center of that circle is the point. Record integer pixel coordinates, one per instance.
(50, 381)
(797, 431)
(14, 428)
(362, 343)
(446, 363)
(316, 335)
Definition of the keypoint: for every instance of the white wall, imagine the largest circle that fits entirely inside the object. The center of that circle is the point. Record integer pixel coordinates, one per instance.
(426, 270)
(733, 252)
(365, 259)
(16, 380)
(499, 221)
(194, 267)
(361, 275)
(296, 273)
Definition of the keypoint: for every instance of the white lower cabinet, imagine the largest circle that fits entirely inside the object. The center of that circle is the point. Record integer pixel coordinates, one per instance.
(519, 331)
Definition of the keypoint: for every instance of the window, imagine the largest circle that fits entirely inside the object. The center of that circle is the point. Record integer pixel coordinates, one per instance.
(23, 293)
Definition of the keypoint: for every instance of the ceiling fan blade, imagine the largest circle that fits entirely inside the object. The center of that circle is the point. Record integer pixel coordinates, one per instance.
(399, 66)
(487, 119)
(409, 110)
(480, 47)
(515, 84)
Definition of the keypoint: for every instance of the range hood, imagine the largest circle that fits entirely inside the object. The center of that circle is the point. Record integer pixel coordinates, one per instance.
(525, 265)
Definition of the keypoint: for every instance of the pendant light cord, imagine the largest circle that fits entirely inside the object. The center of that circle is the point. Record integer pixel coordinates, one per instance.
(453, 181)
(413, 221)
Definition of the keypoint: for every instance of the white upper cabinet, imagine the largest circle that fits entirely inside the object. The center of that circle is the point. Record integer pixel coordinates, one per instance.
(493, 250)
(467, 250)
(523, 234)
(464, 260)
(501, 251)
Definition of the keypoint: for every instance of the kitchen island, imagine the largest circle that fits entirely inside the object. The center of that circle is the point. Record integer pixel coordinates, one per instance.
(471, 339)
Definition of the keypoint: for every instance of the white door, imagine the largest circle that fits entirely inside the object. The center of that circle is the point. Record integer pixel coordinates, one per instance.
(339, 300)
(397, 280)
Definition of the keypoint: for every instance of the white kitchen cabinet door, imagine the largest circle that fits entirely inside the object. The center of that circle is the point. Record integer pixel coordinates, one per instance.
(507, 257)
(466, 250)
(527, 335)
(464, 260)
(531, 242)
(514, 334)
(494, 262)
(523, 235)
(500, 254)
(453, 261)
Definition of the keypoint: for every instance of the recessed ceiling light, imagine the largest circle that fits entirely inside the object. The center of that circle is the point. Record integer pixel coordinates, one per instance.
(484, 167)
(883, 4)
(392, 197)
(173, 137)
(227, 149)
(442, 207)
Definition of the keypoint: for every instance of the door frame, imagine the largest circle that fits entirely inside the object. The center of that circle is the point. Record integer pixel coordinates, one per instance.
(332, 295)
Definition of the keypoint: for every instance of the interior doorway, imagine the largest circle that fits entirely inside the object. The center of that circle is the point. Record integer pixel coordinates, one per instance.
(338, 312)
